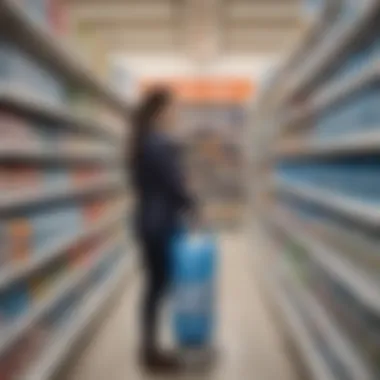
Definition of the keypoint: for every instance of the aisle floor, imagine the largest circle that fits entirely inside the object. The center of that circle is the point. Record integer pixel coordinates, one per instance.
(248, 341)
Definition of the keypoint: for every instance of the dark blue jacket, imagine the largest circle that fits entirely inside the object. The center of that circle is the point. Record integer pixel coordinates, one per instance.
(161, 193)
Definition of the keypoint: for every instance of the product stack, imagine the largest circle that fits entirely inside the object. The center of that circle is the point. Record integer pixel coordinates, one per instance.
(216, 159)
(62, 194)
(321, 198)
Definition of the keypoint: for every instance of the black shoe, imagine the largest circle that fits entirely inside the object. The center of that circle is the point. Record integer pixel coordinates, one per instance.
(158, 362)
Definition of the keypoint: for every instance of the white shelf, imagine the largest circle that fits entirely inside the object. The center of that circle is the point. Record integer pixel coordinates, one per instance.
(333, 92)
(300, 334)
(35, 196)
(360, 283)
(65, 338)
(337, 340)
(58, 154)
(13, 272)
(353, 208)
(337, 89)
(351, 143)
(334, 45)
(22, 324)
(42, 44)
(313, 30)
(23, 100)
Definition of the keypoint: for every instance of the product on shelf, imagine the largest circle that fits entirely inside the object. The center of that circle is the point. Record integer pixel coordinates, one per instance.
(19, 237)
(14, 302)
(43, 282)
(84, 252)
(19, 178)
(19, 356)
(53, 224)
(81, 176)
(95, 210)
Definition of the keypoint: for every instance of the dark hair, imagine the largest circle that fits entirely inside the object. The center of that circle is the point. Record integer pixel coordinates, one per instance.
(143, 119)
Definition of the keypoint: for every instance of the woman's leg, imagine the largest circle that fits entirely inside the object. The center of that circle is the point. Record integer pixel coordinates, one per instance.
(156, 286)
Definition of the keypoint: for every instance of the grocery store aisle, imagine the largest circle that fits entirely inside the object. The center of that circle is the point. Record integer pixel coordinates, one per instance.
(249, 345)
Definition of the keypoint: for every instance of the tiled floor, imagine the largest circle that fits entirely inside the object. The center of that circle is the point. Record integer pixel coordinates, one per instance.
(247, 340)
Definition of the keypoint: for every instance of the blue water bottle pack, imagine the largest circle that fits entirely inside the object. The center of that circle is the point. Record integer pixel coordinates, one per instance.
(194, 285)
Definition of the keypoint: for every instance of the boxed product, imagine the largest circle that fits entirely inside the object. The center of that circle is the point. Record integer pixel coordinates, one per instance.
(4, 244)
(82, 176)
(19, 234)
(52, 224)
(19, 178)
(83, 253)
(14, 360)
(57, 178)
(42, 283)
(58, 17)
(14, 302)
(95, 210)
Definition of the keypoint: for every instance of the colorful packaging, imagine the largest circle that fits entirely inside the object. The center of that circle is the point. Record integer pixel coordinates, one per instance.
(14, 302)
(42, 283)
(4, 244)
(19, 235)
(52, 224)
(19, 178)
(86, 175)
(95, 210)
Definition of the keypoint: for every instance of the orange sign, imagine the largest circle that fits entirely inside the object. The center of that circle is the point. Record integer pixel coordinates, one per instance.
(206, 90)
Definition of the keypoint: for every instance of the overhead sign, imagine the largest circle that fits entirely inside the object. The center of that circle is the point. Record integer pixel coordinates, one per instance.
(217, 89)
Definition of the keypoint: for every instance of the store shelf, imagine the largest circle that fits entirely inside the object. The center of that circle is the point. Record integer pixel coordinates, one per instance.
(22, 324)
(360, 283)
(65, 338)
(11, 273)
(334, 46)
(22, 199)
(42, 44)
(355, 209)
(332, 93)
(57, 155)
(351, 143)
(333, 335)
(24, 101)
(338, 89)
(300, 334)
(315, 29)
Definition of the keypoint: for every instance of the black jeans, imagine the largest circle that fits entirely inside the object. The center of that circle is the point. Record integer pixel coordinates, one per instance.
(156, 260)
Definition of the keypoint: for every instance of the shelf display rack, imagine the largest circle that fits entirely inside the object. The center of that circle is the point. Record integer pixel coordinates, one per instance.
(317, 165)
(64, 243)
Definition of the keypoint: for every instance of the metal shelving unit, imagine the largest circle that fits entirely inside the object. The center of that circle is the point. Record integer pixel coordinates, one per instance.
(293, 203)
(98, 148)
(17, 27)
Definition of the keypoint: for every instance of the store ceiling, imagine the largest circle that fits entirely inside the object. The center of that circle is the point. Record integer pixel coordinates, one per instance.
(181, 26)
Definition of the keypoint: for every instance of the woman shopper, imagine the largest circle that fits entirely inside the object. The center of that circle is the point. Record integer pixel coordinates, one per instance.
(162, 200)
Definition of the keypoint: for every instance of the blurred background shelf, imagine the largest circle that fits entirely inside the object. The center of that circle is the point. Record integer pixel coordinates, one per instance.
(64, 340)
(300, 333)
(40, 43)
